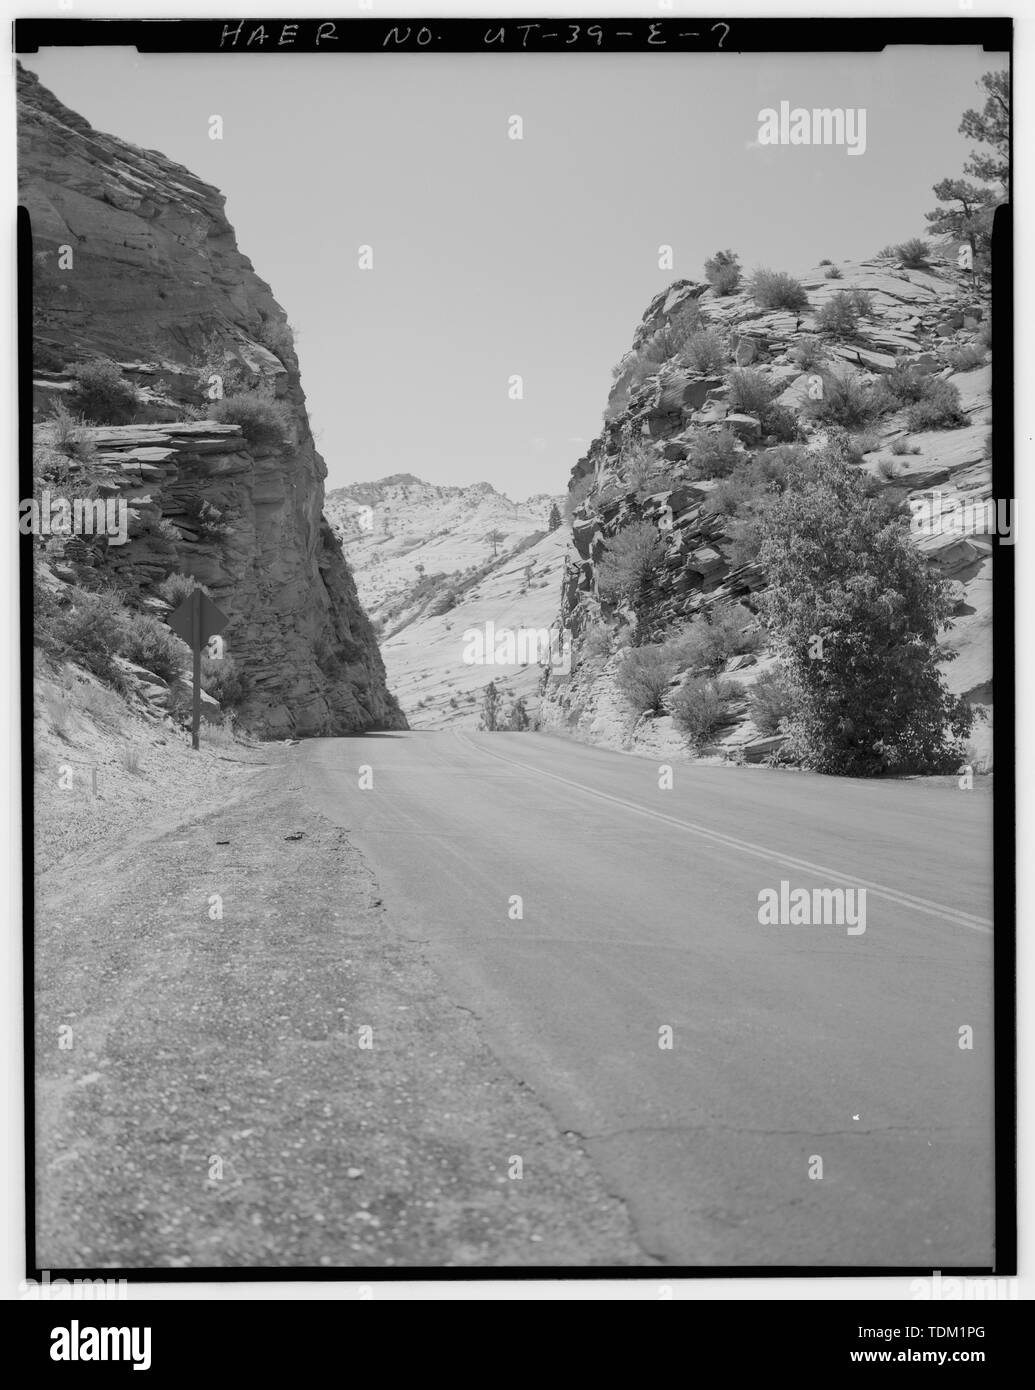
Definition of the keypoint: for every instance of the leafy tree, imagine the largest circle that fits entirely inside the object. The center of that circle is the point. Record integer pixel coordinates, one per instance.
(555, 518)
(625, 573)
(969, 206)
(855, 614)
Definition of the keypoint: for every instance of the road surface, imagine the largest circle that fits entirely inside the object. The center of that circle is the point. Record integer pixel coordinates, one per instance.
(756, 1094)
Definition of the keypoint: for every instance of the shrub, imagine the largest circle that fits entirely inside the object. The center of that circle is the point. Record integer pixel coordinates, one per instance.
(965, 359)
(176, 587)
(780, 422)
(886, 252)
(772, 289)
(863, 303)
(808, 354)
(772, 700)
(939, 408)
(47, 358)
(744, 541)
(208, 520)
(148, 643)
(749, 391)
(644, 675)
(865, 443)
(277, 335)
(722, 272)
(705, 352)
(902, 446)
(845, 401)
(262, 419)
(713, 454)
(90, 631)
(701, 705)
(759, 478)
(626, 570)
(597, 641)
(903, 385)
(913, 253)
(833, 273)
(886, 468)
(841, 565)
(707, 644)
(727, 280)
(639, 463)
(68, 434)
(839, 317)
(826, 261)
(225, 681)
(101, 394)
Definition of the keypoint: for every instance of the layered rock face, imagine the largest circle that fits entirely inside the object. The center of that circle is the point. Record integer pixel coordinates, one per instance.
(922, 318)
(433, 563)
(136, 262)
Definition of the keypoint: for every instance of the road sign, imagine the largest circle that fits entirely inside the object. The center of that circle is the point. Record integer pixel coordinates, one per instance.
(196, 620)
(212, 619)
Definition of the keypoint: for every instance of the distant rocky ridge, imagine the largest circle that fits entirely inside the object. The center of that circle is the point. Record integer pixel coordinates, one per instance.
(158, 284)
(427, 570)
(916, 316)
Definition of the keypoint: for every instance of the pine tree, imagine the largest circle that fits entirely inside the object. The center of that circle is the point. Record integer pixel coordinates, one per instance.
(490, 708)
(970, 207)
(554, 519)
(519, 720)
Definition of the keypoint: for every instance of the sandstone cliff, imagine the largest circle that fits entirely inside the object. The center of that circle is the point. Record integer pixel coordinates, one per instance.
(434, 563)
(930, 320)
(136, 262)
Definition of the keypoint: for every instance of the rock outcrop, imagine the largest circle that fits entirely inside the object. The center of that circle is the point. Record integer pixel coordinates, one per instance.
(929, 319)
(135, 262)
(433, 563)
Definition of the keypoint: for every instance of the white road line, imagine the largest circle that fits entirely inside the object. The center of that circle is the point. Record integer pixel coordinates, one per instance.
(910, 900)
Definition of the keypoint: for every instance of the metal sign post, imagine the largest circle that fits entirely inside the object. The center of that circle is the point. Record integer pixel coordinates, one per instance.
(197, 620)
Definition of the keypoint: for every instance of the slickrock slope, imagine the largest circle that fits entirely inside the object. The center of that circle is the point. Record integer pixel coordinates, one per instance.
(157, 284)
(920, 317)
(426, 573)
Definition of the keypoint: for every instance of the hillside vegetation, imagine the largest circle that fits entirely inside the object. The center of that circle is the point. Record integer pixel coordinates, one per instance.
(742, 558)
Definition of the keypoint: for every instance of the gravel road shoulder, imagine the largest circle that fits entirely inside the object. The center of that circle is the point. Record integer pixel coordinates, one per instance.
(283, 1084)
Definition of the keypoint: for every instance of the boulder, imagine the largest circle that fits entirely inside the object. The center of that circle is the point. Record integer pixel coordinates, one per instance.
(683, 392)
(711, 413)
(746, 427)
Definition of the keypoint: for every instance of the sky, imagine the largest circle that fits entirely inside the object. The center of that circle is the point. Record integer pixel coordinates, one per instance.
(496, 257)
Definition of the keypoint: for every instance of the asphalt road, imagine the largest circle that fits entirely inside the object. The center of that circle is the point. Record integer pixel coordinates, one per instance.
(815, 1106)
